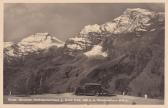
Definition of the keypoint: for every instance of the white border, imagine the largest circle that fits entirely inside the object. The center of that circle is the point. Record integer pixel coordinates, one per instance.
(81, 106)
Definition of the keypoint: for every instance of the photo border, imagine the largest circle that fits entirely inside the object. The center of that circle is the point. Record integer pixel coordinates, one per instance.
(74, 105)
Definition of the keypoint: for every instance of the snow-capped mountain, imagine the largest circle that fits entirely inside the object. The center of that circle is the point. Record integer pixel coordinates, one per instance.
(91, 37)
(131, 21)
(31, 44)
(125, 54)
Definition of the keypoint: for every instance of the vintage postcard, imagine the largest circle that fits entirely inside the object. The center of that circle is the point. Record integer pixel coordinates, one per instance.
(89, 53)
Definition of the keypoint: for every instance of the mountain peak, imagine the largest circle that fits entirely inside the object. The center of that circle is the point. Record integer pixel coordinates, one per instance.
(33, 43)
(91, 28)
(135, 20)
(41, 37)
(132, 19)
(138, 10)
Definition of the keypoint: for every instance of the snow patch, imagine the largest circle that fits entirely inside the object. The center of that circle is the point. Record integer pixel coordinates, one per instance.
(39, 41)
(91, 28)
(109, 27)
(10, 52)
(8, 44)
(79, 39)
(74, 47)
(138, 10)
(96, 51)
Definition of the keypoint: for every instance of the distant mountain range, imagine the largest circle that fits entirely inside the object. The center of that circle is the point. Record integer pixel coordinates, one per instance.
(125, 54)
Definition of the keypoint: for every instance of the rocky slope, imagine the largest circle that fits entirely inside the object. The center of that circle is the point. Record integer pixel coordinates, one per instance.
(125, 54)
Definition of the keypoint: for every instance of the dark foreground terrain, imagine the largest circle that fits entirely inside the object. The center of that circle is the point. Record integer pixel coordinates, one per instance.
(69, 98)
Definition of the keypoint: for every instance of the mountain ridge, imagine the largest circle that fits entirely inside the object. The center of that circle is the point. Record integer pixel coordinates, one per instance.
(131, 61)
(31, 44)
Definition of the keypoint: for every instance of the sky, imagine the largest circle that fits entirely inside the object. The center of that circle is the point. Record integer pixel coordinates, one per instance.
(61, 20)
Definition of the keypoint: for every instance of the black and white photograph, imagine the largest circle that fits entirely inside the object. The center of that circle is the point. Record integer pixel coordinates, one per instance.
(84, 53)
